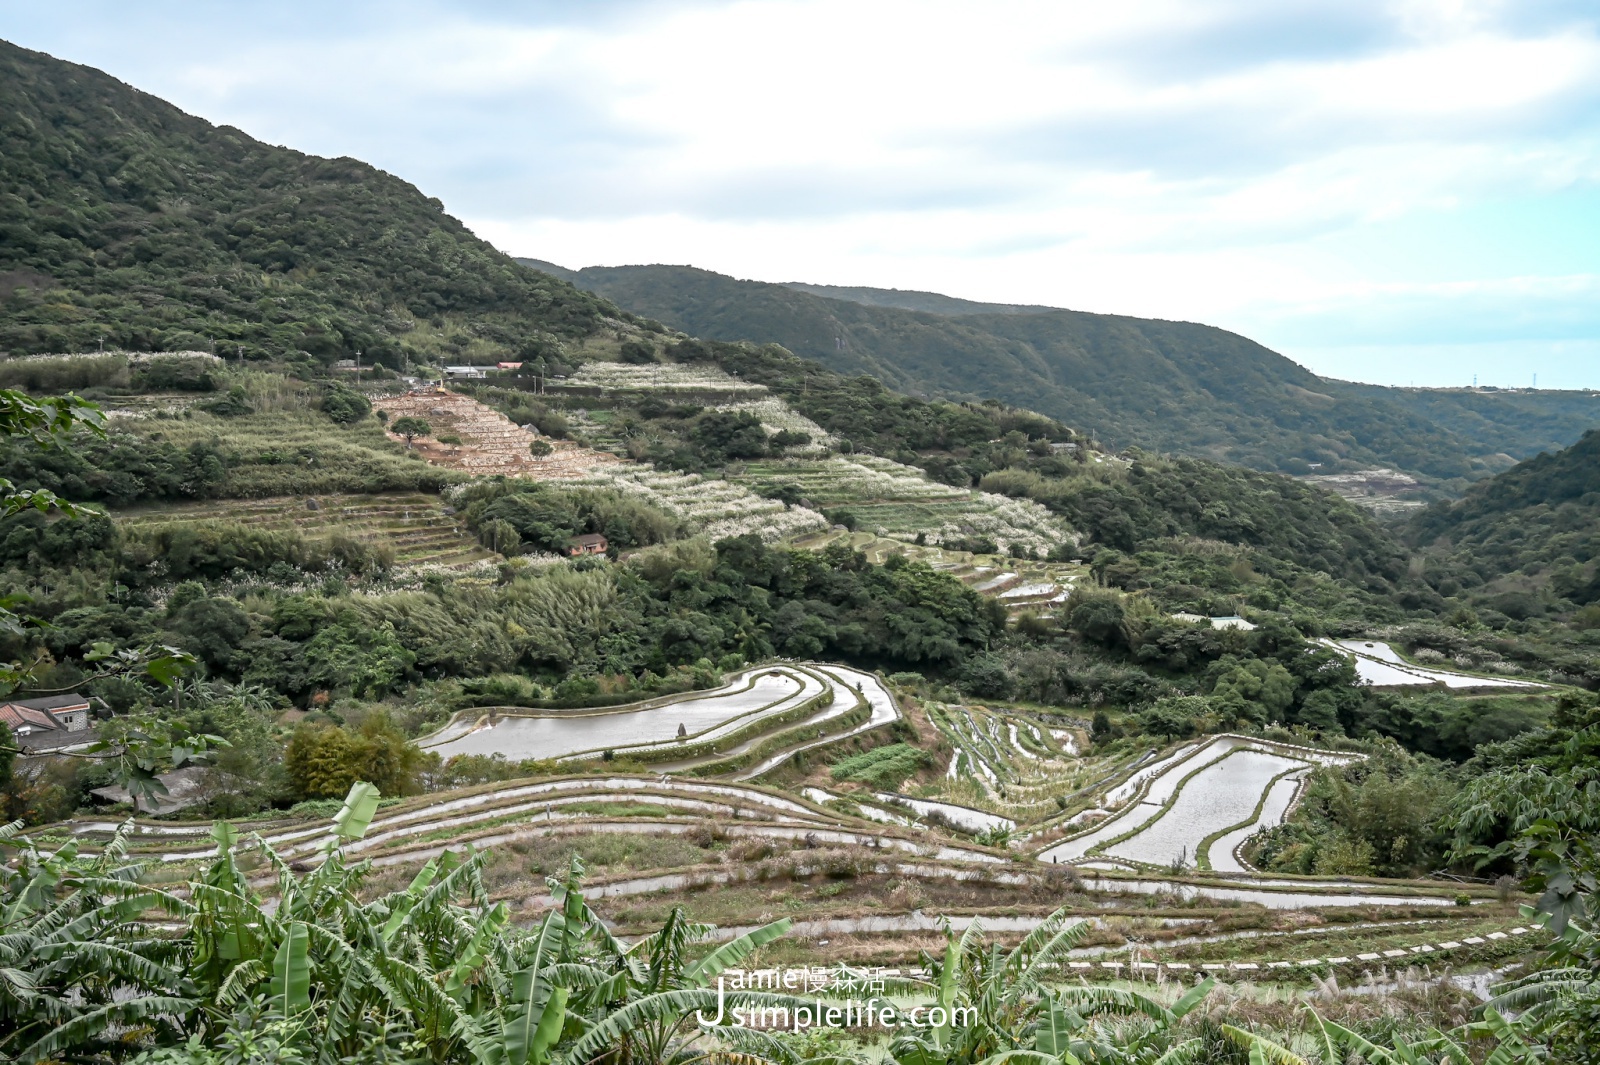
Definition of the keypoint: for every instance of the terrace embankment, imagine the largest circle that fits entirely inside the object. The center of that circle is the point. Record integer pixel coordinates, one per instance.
(490, 443)
(415, 525)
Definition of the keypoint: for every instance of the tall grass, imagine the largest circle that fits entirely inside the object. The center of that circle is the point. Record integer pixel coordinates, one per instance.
(268, 393)
(68, 373)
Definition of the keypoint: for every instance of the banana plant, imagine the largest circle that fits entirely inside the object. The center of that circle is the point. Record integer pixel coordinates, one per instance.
(1335, 1044)
(74, 964)
(1151, 1040)
(1264, 1051)
(652, 1009)
(1005, 993)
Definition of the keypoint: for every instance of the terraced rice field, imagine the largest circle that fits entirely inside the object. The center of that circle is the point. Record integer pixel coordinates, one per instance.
(749, 715)
(414, 524)
(847, 684)
(1280, 797)
(527, 734)
(1381, 666)
(899, 502)
(421, 829)
(963, 817)
(1222, 794)
(664, 378)
(502, 815)
(1005, 763)
(739, 849)
(1023, 586)
(1196, 806)
(713, 507)
(597, 425)
(489, 442)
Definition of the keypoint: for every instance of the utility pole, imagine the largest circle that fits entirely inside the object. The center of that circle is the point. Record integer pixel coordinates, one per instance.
(358, 369)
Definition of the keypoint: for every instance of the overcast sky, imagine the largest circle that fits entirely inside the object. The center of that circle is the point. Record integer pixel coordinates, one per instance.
(1393, 192)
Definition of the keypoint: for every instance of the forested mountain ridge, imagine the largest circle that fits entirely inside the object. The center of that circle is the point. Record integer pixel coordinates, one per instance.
(913, 300)
(128, 222)
(1169, 386)
(1528, 535)
(1523, 422)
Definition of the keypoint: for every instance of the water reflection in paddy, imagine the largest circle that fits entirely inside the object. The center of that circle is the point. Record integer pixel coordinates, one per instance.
(558, 733)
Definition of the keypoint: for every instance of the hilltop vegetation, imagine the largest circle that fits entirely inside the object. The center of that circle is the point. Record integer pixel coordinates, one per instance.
(129, 222)
(1166, 386)
(1525, 541)
(1151, 500)
(1522, 422)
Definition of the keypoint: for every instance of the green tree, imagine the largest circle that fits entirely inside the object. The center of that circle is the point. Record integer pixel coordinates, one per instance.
(410, 428)
(1255, 691)
(359, 655)
(637, 352)
(1096, 614)
(45, 423)
(726, 435)
(1175, 716)
(345, 406)
(323, 761)
(500, 536)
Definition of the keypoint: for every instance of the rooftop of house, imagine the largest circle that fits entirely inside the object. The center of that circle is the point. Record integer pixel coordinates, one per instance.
(51, 702)
(21, 719)
(589, 539)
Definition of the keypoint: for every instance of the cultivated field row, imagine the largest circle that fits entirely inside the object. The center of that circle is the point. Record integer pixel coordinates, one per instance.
(1195, 807)
(900, 502)
(413, 523)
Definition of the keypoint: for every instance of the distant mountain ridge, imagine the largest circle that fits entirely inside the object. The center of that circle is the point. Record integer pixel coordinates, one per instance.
(130, 223)
(1170, 386)
(913, 300)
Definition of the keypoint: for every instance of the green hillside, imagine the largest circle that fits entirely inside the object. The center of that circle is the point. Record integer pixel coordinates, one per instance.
(1522, 421)
(1525, 540)
(1169, 386)
(126, 221)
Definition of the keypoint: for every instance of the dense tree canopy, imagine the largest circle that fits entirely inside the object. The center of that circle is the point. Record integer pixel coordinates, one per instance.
(130, 222)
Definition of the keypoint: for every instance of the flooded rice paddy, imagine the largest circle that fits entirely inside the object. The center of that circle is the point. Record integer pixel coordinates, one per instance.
(558, 733)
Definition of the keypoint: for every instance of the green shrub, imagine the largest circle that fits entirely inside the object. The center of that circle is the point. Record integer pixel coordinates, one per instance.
(884, 767)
